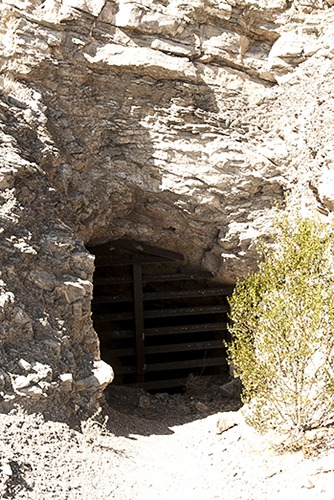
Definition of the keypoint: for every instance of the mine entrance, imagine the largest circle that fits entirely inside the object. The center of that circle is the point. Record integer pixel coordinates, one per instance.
(158, 324)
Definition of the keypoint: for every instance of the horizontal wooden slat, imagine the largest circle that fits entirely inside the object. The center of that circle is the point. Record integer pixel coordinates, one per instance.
(185, 294)
(163, 313)
(114, 280)
(120, 352)
(190, 363)
(185, 311)
(176, 277)
(162, 349)
(150, 278)
(144, 248)
(180, 329)
(180, 294)
(100, 317)
(112, 299)
(124, 370)
(173, 365)
(187, 346)
(106, 333)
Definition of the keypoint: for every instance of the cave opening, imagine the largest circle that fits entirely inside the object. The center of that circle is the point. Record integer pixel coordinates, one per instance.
(160, 324)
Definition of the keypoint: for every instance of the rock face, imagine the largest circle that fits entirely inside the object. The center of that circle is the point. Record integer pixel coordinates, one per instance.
(181, 124)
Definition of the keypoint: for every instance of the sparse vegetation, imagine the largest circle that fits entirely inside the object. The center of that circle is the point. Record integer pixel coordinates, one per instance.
(283, 329)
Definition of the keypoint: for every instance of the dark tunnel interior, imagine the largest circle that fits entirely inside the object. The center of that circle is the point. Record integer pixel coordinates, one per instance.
(159, 324)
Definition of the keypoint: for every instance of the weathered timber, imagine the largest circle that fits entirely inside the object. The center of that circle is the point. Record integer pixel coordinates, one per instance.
(185, 311)
(163, 313)
(126, 370)
(103, 317)
(121, 352)
(198, 327)
(188, 346)
(107, 333)
(176, 277)
(179, 294)
(113, 280)
(151, 278)
(111, 299)
(185, 294)
(149, 326)
(145, 249)
(190, 363)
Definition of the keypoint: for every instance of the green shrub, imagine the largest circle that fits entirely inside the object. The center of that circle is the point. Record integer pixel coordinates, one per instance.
(282, 329)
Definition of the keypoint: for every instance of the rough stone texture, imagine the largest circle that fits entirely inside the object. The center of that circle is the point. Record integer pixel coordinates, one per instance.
(181, 124)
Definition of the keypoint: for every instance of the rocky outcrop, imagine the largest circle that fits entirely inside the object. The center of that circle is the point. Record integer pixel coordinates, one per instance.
(181, 124)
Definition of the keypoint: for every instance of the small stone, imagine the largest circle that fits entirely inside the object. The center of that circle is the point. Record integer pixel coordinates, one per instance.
(53, 345)
(42, 372)
(6, 469)
(102, 376)
(77, 308)
(33, 391)
(21, 318)
(20, 382)
(232, 389)
(44, 385)
(144, 401)
(161, 396)
(228, 420)
(201, 407)
(44, 280)
(3, 379)
(66, 381)
(24, 365)
(72, 291)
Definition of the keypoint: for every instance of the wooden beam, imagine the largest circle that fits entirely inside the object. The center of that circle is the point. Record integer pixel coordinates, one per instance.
(202, 275)
(191, 363)
(187, 346)
(113, 280)
(120, 352)
(162, 313)
(186, 311)
(181, 329)
(151, 278)
(107, 333)
(145, 249)
(105, 317)
(185, 294)
(112, 299)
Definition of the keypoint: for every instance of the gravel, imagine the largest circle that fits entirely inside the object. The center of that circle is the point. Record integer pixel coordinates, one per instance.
(161, 446)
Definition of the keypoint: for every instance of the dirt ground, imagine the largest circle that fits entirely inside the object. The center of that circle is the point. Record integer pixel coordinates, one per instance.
(155, 447)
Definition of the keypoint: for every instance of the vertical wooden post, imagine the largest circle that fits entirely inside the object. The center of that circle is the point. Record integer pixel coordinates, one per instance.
(139, 321)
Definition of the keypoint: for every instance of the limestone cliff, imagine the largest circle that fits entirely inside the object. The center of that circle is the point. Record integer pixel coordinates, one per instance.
(181, 124)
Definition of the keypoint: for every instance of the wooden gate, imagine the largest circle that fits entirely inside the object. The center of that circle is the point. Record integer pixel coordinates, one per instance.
(157, 324)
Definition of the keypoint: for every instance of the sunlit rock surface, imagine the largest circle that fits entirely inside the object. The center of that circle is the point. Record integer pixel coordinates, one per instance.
(180, 124)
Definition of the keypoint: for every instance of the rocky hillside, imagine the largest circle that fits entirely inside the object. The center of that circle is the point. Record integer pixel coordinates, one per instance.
(181, 124)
